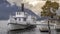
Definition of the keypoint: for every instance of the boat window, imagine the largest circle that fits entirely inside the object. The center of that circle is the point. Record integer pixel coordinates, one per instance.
(19, 19)
(15, 18)
(19, 13)
(58, 30)
(24, 19)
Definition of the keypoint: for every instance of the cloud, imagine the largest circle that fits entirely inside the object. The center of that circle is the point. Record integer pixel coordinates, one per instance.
(17, 2)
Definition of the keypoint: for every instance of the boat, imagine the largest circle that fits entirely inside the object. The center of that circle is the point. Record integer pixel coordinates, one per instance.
(44, 29)
(21, 20)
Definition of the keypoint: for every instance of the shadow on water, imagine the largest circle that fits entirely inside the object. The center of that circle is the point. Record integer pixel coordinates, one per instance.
(21, 31)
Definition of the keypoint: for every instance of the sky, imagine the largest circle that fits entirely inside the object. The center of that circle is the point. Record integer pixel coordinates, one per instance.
(34, 5)
(10, 6)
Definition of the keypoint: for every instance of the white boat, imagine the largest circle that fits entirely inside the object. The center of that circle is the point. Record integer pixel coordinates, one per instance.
(21, 20)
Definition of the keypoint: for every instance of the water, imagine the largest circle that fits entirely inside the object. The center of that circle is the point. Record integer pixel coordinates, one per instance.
(4, 29)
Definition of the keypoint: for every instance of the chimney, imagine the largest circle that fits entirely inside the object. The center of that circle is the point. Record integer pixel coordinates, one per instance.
(22, 6)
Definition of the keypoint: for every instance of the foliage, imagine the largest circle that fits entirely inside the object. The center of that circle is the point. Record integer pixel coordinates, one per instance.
(49, 9)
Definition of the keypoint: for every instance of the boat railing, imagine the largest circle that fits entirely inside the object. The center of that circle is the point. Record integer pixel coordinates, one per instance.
(22, 22)
(57, 26)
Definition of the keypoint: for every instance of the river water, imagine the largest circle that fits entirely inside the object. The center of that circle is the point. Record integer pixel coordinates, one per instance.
(4, 29)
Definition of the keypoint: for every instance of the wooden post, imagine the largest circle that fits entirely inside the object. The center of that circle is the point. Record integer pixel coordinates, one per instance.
(49, 28)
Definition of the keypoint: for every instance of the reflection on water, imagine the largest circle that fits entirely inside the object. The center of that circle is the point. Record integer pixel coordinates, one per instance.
(25, 31)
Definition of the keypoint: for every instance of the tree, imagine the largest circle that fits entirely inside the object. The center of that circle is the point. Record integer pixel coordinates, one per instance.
(49, 10)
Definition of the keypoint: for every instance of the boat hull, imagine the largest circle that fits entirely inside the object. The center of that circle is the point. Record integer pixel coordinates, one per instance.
(13, 27)
(21, 26)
